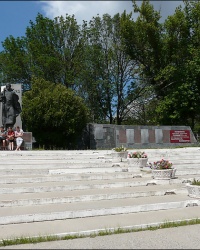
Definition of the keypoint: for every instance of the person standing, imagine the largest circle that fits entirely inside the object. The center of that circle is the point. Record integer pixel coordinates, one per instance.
(18, 137)
(10, 106)
(3, 137)
(10, 138)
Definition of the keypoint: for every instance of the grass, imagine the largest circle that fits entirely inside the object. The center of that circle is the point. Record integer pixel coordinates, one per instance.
(195, 182)
(39, 239)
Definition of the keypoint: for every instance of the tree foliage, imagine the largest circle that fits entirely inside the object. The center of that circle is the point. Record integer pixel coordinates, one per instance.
(50, 50)
(54, 114)
(140, 71)
(168, 59)
(108, 80)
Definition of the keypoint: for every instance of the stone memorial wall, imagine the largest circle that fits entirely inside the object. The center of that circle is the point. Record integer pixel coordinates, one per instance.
(106, 136)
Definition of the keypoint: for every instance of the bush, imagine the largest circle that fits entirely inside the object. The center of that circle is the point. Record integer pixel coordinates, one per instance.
(54, 115)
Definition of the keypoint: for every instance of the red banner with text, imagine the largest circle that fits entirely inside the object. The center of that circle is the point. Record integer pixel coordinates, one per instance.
(178, 136)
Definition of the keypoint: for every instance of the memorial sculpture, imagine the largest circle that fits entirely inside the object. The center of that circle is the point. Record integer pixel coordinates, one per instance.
(11, 107)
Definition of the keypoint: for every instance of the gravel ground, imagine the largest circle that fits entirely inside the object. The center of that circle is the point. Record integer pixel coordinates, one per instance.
(185, 237)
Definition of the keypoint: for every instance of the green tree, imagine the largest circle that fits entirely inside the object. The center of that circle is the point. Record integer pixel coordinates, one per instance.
(168, 60)
(180, 104)
(14, 61)
(54, 114)
(143, 41)
(50, 50)
(55, 47)
(107, 81)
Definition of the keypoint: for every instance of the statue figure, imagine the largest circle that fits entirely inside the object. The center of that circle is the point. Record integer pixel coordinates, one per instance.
(10, 106)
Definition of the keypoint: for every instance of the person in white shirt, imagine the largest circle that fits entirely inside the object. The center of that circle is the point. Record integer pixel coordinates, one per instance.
(18, 137)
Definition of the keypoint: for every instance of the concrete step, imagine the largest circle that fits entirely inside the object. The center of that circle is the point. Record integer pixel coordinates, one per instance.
(69, 192)
(82, 184)
(101, 157)
(25, 199)
(28, 214)
(69, 177)
(91, 225)
(12, 173)
(24, 178)
(115, 168)
(36, 165)
(29, 163)
(78, 185)
(100, 154)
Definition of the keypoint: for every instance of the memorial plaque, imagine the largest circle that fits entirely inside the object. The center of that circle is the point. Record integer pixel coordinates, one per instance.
(98, 133)
(130, 135)
(159, 135)
(122, 136)
(137, 136)
(144, 135)
(179, 136)
(166, 136)
(151, 136)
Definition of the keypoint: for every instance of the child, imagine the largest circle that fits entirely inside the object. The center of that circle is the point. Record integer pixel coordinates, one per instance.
(10, 138)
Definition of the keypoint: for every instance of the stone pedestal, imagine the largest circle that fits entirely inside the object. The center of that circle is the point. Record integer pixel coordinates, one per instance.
(119, 156)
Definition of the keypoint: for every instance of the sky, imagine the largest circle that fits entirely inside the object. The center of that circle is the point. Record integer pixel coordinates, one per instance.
(15, 16)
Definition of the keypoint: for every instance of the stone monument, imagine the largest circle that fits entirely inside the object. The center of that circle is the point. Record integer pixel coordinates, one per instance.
(27, 136)
(18, 90)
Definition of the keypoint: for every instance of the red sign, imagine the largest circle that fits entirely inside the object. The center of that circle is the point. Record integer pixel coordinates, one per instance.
(179, 136)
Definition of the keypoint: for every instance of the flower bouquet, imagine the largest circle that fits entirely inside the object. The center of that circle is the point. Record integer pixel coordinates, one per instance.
(120, 149)
(137, 158)
(137, 154)
(162, 169)
(119, 153)
(162, 164)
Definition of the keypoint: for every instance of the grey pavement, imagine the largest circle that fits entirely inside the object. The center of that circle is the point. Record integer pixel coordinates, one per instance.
(184, 237)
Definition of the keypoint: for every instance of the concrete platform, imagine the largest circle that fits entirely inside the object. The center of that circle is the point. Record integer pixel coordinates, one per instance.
(80, 192)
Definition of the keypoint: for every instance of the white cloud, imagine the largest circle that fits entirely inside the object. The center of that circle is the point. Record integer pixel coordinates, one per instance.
(167, 7)
(85, 10)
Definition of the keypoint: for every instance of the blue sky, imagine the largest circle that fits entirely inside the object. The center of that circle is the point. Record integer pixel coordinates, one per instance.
(16, 15)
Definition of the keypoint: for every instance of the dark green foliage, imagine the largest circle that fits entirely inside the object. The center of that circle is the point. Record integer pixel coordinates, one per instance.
(54, 114)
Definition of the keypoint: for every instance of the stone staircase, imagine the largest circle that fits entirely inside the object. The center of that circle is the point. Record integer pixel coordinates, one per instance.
(81, 192)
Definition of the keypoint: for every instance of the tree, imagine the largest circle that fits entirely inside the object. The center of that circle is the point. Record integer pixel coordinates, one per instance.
(168, 60)
(15, 61)
(50, 50)
(180, 104)
(55, 47)
(107, 82)
(54, 114)
(143, 43)
(92, 61)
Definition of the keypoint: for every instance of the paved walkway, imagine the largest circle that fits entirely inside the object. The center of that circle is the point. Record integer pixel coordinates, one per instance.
(185, 237)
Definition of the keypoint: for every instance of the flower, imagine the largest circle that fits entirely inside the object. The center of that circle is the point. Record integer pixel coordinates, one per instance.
(120, 149)
(162, 164)
(137, 154)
